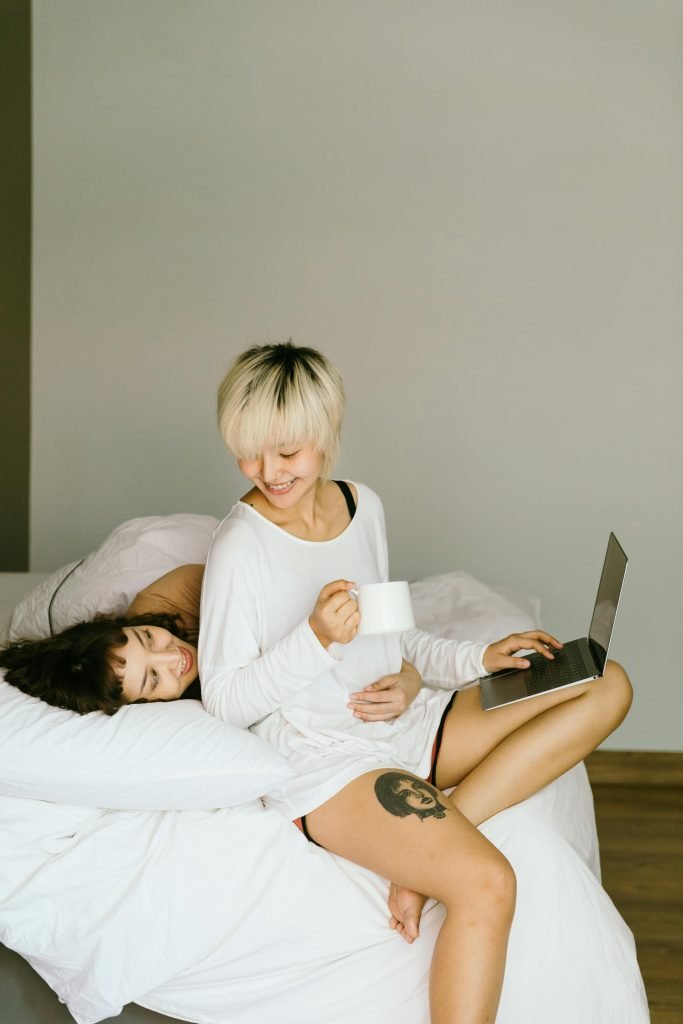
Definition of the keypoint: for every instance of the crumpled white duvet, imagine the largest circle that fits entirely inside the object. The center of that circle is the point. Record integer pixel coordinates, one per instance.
(571, 958)
(232, 917)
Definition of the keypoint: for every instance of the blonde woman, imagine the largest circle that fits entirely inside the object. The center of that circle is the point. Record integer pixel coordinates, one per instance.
(279, 653)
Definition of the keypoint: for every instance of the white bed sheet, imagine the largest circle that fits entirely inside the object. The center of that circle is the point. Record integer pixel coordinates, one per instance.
(192, 920)
(571, 957)
(231, 917)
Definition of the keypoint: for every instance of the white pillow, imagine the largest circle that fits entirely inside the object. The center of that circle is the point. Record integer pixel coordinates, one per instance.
(13, 587)
(157, 756)
(147, 756)
(133, 556)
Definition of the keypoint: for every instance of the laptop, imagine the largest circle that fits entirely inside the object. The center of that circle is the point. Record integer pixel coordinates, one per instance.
(579, 660)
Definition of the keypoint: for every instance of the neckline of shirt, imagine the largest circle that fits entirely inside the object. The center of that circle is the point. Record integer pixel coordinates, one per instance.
(302, 540)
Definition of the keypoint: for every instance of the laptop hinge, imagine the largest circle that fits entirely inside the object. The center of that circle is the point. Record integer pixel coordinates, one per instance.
(598, 654)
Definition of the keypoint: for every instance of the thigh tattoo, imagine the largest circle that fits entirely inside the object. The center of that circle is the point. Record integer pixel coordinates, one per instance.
(403, 794)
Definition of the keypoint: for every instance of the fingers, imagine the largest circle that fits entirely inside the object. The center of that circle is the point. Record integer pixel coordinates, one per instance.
(335, 617)
(374, 699)
(506, 661)
(402, 931)
(539, 634)
(335, 587)
(541, 646)
(374, 713)
(406, 909)
(375, 690)
(343, 606)
(339, 602)
(534, 640)
(387, 698)
(379, 702)
(499, 655)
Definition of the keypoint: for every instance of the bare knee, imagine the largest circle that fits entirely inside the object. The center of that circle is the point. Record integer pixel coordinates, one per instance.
(615, 693)
(486, 888)
(499, 884)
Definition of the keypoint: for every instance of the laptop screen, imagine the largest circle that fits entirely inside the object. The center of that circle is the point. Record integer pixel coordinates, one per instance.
(605, 611)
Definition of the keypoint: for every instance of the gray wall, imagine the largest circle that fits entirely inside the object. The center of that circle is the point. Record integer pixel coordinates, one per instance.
(475, 210)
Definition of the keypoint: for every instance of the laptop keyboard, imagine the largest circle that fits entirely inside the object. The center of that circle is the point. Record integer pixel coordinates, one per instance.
(567, 667)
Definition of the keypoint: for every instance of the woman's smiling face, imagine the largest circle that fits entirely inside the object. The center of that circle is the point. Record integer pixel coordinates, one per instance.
(284, 474)
(157, 665)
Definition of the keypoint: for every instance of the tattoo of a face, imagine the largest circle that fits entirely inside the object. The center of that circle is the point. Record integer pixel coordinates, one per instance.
(403, 794)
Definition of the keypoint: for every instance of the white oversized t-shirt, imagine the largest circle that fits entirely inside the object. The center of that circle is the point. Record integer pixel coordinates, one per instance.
(263, 668)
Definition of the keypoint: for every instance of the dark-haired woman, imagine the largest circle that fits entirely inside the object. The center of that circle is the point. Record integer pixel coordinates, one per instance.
(149, 654)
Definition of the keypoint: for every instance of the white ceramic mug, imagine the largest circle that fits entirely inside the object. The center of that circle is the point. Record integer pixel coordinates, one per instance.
(385, 608)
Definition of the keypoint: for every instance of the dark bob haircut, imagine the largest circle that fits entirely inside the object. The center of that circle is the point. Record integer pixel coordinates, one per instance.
(76, 669)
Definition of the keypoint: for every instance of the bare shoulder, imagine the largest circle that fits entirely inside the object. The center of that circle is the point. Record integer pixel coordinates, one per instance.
(179, 589)
(182, 578)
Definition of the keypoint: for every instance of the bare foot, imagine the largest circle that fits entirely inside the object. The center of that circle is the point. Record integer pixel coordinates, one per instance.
(406, 911)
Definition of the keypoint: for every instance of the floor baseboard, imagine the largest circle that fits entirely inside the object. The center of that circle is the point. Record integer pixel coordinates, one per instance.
(635, 768)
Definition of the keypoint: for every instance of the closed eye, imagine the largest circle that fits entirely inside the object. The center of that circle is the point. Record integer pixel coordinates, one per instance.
(138, 634)
(289, 455)
(155, 679)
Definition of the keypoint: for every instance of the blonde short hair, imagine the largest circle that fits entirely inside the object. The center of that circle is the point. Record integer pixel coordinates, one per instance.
(278, 396)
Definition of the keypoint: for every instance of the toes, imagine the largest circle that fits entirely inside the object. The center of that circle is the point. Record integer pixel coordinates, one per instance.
(406, 910)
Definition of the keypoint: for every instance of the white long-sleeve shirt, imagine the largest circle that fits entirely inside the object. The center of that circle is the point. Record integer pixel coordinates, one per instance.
(263, 668)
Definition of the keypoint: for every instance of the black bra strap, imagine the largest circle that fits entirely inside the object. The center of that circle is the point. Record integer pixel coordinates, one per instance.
(348, 496)
(52, 599)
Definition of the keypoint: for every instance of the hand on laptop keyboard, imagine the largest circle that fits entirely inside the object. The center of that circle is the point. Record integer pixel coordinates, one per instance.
(501, 655)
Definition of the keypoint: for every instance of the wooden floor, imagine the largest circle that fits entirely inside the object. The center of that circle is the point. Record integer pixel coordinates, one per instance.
(639, 810)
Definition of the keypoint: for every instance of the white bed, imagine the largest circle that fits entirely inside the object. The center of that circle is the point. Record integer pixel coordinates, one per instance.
(229, 916)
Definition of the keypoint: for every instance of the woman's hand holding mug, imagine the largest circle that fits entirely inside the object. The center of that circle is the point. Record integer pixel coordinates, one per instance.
(335, 618)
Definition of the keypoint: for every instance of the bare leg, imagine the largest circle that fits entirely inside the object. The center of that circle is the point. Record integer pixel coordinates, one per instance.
(498, 758)
(418, 838)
